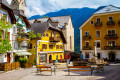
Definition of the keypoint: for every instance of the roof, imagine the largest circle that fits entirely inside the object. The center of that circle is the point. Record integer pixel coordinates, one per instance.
(20, 13)
(107, 9)
(43, 27)
(100, 10)
(61, 19)
(4, 4)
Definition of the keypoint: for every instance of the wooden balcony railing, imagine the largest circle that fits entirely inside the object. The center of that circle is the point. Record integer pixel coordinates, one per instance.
(98, 24)
(22, 39)
(111, 23)
(87, 48)
(112, 47)
(54, 39)
(86, 37)
(112, 36)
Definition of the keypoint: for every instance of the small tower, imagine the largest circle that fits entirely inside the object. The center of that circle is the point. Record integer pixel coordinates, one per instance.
(19, 5)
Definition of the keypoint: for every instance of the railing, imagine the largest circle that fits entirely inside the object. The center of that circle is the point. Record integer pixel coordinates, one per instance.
(111, 23)
(112, 47)
(98, 24)
(112, 36)
(22, 39)
(87, 48)
(54, 39)
(86, 37)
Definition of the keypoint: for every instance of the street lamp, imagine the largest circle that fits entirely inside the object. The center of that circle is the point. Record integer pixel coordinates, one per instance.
(37, 50)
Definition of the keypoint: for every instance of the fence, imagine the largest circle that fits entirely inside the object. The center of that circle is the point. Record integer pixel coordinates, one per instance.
(28, 65)
(12, 66)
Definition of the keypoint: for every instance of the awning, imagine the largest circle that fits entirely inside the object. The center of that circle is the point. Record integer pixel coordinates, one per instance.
(22, 52)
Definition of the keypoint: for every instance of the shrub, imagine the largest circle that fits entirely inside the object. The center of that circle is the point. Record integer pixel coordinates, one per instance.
(23, 62)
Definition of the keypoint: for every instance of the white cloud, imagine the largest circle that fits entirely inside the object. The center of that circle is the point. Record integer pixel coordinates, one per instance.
(39, 7)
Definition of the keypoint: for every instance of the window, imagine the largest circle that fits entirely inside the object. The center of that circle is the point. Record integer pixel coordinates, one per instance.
(97, 33)
(98, 44)
(34, 47)
(44, 46)
(5, 17)
(98, 19)
(46, 34)
(57, 46)
(111, 43)
(0, 15)
(92, 22)
(87, 55)
(54, 34)
(111, 32)
(43, 35)
(110, 18)
(86, 33)
(50, 46)
(87, 44)
(60, 46)
(98, 55)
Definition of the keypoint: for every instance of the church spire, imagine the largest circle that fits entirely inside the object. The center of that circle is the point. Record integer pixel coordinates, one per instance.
(19, 5)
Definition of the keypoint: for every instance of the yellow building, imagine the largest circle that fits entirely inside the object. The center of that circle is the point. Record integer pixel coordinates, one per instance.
(51, 44)
(104, 28)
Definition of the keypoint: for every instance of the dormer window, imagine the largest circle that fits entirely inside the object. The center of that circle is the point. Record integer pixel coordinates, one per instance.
(92, 22)
(86, 33)
(110, 18)
(98, 20)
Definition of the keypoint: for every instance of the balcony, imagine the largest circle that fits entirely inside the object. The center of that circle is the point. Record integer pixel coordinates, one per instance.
(87, 48)
(98, 24)
(86, 37)
(112, 36)
(111, 23)
(19, 39)
(112, 47)
(54, 39)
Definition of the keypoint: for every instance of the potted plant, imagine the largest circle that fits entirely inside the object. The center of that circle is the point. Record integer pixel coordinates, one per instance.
(23, 62)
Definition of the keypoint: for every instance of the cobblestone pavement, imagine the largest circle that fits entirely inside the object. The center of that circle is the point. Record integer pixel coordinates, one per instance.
(111, 72)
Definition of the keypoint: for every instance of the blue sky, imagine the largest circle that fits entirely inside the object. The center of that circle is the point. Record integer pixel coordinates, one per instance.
(40, 7)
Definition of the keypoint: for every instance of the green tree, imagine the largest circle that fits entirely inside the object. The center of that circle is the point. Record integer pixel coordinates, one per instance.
(4, 39)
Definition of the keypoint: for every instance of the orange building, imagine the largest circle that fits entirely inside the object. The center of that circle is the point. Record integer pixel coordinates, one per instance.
(103, 28)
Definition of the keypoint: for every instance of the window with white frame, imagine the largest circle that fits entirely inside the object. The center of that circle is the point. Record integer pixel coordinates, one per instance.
(111, 43)
(97, 33)
(111, 32)
(92, 22)
(86, 33)
(87, 44)
(98, 44)
(98, 19)
(110, 18)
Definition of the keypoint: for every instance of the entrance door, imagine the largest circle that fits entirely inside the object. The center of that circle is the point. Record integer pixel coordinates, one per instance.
(112, 56)
(50, 58)
(8, 58)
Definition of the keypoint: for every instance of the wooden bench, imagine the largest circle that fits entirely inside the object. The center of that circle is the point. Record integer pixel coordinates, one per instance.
(45, 68)
(99, 67)
(79, 68)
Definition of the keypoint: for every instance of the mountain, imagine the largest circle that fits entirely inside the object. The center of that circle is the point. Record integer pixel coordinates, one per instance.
(79, 16)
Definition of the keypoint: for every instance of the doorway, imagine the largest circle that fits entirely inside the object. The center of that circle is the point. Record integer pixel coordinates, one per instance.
(50, 58)
(112, 56)
(8, 58)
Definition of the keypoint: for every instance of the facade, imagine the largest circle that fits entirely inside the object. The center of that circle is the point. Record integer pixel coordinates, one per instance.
(7, 11)
(103, 28)
(65, 24)
(20, 31)
(51, 44)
